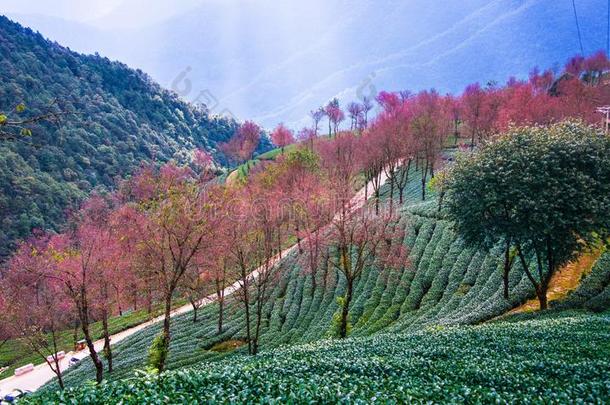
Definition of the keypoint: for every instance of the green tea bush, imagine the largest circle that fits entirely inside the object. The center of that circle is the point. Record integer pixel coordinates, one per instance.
(158, 352)
(555, 358)
(443, 283)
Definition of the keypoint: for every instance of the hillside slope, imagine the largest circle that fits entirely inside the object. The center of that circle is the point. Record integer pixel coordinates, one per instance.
(560, 358)
(121, 119)
(445, 283)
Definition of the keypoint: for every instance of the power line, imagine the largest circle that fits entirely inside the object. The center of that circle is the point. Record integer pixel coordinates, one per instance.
(608, 32)
(577, 27)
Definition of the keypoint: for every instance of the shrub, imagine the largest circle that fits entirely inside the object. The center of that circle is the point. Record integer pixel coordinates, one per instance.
(157, 352)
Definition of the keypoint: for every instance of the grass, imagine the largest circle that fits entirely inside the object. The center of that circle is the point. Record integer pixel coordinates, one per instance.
(550, 358)
(242, 170)
(14, 354)
(227, 346)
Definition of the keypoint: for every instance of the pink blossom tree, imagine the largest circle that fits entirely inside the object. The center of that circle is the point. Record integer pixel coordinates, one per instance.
(282, 136)
(35, 308)
(172, 227)
(244, 142)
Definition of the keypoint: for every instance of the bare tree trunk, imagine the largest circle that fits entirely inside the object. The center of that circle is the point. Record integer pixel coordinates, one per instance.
(60, 380)
(507, 266)
(540, 288)
(345, 309)
(221, 304)
(220, 294)
(424, 176)
(84, 321)
(149, 298)
(259, 315)
(403, 181)
(75, 333)
(541, 293)
(195, 306)
(57, 370)
(107, 349)
(296, 224)
(135, 299)
(247, 309)
(166, 330)
(279, 240)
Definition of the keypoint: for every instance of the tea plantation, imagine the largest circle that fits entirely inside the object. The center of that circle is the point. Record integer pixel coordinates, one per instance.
(555, 358)
(405, 344)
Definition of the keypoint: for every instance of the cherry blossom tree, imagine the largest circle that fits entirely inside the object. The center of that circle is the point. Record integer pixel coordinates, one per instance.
(305, 191)
(335, 116)
(173, 227)
(367, 106)
(355, 111)
(359, 239)
(472, 109)
(252, 233)
(307, 135)
(595, 66)
(195, 284)
(244, 142)
(79, 258)
(372, 159)
(316, 117)
(430, 125)
(35, 308)
(282, 136)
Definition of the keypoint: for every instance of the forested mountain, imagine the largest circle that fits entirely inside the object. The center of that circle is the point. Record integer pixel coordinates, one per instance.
(121, 117)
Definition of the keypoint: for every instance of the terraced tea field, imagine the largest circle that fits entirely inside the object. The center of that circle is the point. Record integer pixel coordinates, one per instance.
(562, 358)
(444, 283)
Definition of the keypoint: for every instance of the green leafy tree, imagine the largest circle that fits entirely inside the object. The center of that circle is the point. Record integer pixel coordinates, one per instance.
(542, 191)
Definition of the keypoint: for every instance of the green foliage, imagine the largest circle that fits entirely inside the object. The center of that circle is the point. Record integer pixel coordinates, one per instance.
(421, 294)
(303, 157)
(157, 353)
(532, 183)
(503, 362)
(335, 326)
(545, 190)
(121, 118)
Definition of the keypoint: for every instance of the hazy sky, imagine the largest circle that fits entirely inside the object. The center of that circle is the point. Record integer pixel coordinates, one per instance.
(274, 61)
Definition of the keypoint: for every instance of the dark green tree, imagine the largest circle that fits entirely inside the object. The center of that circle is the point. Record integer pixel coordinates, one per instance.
(544, 192)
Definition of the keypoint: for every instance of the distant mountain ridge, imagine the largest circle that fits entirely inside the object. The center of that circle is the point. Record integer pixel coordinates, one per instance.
(122, 118)
(274, 61)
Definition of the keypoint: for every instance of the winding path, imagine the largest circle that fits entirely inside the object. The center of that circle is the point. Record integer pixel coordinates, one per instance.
(42, 373)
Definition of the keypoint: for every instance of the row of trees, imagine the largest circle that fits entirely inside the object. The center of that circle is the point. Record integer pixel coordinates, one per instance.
(171, 232)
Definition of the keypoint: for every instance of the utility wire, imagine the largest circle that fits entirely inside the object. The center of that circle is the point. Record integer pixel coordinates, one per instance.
(577, 27)
(608, 32)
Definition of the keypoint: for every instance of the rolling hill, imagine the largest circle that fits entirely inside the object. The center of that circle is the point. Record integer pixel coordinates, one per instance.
(446, 285)
(121, 118)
